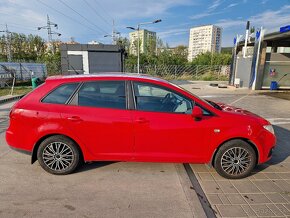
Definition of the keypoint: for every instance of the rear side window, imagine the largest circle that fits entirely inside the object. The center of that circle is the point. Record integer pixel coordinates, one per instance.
(61, 94)
(103, 94)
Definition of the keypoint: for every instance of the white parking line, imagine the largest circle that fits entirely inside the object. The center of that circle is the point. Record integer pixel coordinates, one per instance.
(279, 121)
(240, 98)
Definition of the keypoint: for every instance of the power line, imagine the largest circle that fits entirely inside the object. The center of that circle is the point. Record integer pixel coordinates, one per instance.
(96, 12)
(48, 26)
(75, 20)
(104, 10)
(82, 16)
(19, 26)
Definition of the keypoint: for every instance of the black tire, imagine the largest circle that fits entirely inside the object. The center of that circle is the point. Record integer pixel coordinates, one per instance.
(58, 155)
(232, 167)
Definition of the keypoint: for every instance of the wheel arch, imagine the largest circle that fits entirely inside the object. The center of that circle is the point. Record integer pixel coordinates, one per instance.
(251, 143)
(36, 146)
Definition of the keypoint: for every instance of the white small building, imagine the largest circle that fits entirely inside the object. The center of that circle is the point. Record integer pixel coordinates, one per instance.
(204, 39)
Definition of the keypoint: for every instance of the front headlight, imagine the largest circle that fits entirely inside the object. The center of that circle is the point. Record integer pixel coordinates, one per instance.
(269, 128)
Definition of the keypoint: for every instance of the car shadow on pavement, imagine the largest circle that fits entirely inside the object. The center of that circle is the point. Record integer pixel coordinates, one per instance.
(93, 165)
(281, 151)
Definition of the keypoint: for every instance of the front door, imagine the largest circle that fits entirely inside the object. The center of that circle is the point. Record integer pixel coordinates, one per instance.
(164, 127)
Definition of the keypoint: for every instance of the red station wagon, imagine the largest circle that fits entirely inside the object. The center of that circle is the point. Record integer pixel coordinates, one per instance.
(128, 117)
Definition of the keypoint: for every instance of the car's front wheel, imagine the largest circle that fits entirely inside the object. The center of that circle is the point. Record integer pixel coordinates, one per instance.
(58, 155)
(235, 159)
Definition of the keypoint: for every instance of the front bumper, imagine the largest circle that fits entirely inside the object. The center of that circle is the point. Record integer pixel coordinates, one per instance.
(267, 144)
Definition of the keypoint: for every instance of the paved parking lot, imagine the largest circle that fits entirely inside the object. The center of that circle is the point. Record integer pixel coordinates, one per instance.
(114, 189)
(266, 193)
(119, 189)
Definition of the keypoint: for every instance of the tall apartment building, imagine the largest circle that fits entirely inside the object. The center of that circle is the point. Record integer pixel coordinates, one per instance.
(147, 40)
(203, 39)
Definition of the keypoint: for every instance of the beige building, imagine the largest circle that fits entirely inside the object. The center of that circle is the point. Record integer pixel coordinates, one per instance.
(204, 39)
(147, 40)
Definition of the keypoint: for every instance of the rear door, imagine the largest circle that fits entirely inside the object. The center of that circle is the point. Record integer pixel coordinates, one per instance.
(98, 115)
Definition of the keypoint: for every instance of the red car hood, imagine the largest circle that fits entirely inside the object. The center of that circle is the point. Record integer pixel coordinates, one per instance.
(230, 108)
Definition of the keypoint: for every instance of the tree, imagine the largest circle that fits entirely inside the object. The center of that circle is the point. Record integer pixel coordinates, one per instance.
(252, 30)
(124, 43)
(53, 62)
(212, 59)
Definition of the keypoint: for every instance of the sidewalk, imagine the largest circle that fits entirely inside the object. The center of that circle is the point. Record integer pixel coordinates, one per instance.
(265, 193)
(8, 98)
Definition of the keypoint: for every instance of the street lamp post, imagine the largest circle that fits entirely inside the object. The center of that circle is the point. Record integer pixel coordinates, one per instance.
(138, 36)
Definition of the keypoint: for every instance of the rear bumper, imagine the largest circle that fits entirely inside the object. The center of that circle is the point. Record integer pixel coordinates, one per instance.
(18, 140)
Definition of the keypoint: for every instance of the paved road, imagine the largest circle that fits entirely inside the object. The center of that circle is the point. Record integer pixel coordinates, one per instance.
(97, 190)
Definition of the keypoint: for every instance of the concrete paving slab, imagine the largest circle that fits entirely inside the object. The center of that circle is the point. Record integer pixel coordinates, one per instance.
(231, 211)
(263, 211)
(266, 192)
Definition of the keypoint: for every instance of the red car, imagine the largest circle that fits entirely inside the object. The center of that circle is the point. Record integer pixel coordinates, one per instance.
(127, 117)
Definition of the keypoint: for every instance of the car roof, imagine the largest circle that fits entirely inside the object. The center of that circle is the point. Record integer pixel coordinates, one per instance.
(110, 75)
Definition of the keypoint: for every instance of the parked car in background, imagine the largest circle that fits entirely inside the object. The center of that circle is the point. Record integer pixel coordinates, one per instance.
(128, 117)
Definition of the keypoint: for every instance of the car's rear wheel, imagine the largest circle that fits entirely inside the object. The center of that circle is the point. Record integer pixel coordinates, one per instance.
(235, 159)
(58, 155)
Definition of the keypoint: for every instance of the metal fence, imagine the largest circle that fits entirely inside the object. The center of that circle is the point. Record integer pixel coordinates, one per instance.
(184, 72)
(22, 71)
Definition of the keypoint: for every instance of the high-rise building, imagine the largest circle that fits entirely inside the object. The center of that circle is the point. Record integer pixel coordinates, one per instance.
(204, 39)
(147, 40)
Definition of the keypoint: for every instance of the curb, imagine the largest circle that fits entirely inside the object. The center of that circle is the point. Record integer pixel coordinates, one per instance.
(12, 98)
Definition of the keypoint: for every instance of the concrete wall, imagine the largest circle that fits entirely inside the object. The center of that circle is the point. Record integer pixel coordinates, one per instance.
(243, 70)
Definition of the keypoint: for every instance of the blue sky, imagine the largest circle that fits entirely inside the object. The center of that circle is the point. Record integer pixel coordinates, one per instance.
(88, 20)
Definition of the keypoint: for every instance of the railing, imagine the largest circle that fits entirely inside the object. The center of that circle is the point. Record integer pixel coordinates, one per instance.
(183, 72)
(22, 71)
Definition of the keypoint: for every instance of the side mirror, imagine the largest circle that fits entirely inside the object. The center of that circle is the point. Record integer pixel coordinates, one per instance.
(197, 113)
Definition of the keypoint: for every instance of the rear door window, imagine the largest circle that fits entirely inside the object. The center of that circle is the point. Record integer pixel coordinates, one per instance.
(61, 94)
(103, 94)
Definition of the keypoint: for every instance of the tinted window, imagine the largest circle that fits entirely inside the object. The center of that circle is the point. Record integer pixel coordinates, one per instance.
(106, 94)
(149, 97)
(61, 94)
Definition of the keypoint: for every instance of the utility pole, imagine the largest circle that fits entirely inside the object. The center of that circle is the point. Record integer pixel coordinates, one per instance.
(48, 26)
(8, 43)
(114, 35)
(246, 39)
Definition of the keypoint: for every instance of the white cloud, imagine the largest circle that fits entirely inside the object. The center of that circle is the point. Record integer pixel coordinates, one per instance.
(215, 4)
(232, 5)
(270, 19)
(32, 14)
(126, 9)
(202, 15)
(173, 32)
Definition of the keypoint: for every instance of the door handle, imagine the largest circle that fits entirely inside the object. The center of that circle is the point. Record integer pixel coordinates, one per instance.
(142, 120)
(74, 119)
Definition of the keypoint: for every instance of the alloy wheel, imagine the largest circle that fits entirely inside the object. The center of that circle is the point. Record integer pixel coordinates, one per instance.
(235, 161)
(58, 156)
